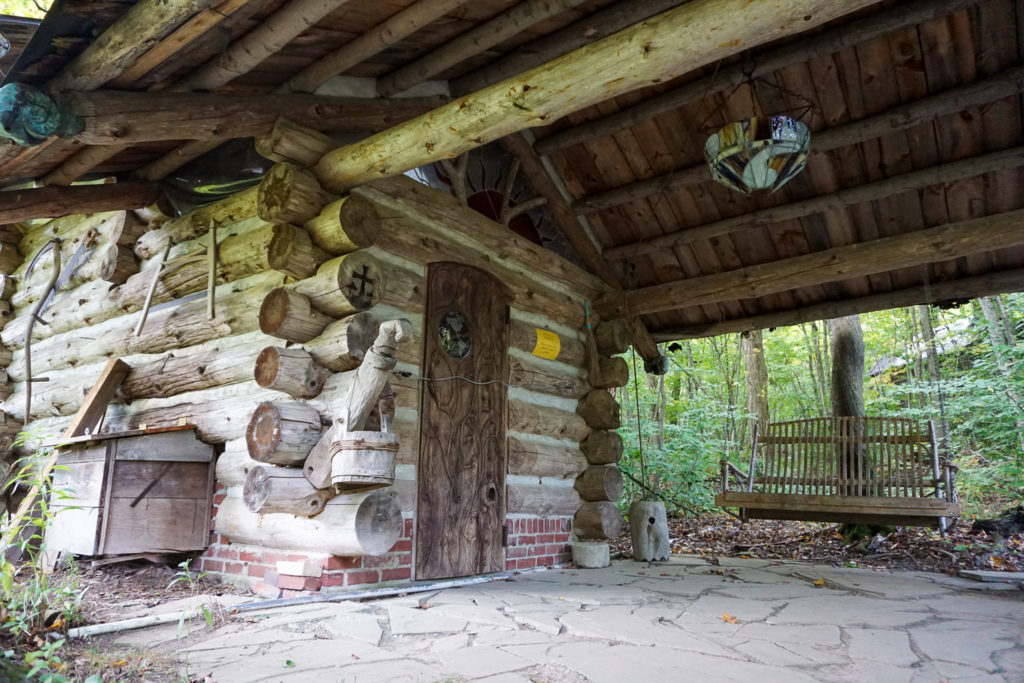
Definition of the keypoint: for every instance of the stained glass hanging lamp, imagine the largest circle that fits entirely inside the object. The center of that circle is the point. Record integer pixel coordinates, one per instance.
(761, 152)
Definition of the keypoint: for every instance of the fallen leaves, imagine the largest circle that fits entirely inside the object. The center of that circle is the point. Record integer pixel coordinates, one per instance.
(730, 619)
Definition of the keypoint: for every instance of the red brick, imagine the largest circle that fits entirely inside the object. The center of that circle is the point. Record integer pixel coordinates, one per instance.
(227, 553)
(296, 594)
(368, 576)
(527, 540)
(271, 558)
(403, 546)
(380, 561)
(211, 565)
(408, 528)
(341, 562)
(246, 556)
(298, 583)
(404, 560)
(510, 564)
(396, 574)
(526, 563)
(295, 558)
(516, 552)
(265, 591)
(233, 568)
(333, 579)
(553, 549)
(257, 570)
(219, 498)
(546, 538)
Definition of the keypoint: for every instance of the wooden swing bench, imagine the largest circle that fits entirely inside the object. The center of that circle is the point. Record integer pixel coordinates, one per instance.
(860, 470)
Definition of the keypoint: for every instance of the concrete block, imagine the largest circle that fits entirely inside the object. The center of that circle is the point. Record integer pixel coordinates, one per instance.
(591, 554)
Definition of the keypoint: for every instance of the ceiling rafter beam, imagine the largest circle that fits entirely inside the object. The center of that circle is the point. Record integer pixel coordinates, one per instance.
(842, 199)
(942, 243)
(1004, 84)
(904, 14)
(54, 202)
(951, 290)
(646, 53)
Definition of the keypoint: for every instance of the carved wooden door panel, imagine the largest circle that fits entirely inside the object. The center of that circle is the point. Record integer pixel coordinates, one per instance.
(461, 491)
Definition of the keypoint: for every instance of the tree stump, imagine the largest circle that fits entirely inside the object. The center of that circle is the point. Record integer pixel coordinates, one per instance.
(292, 371)
(648, 527)
(282, 432)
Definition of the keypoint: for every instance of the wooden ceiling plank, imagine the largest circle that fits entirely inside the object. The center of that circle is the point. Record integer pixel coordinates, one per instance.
(900, 118)
(124, 41)
(916, 180)
(177, 41)
(471, 43)
(963, 289)
(587, 30)
(395, 28)
(954, 240)
(904, 14)
(53, 202)
(631, 59)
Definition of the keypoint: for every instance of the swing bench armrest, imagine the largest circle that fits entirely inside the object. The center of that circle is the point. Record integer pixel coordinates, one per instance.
(730, 470)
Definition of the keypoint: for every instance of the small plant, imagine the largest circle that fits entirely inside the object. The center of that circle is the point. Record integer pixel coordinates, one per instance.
(34, 608)
(185, 575)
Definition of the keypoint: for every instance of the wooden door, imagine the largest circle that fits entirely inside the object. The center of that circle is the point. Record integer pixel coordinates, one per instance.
(461, 501)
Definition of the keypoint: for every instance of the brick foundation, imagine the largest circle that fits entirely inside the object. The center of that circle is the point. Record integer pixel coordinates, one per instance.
(532, 542)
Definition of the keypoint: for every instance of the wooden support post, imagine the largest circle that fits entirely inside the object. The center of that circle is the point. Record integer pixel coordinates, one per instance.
(602, 447)
(597, 521)
(600, 482)
(600, 410)
(282, 489)
(287, 315)
(293, 253)
(282, 432)
(292, 371)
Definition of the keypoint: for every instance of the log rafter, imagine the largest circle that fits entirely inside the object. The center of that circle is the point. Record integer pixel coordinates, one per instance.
(941, 243)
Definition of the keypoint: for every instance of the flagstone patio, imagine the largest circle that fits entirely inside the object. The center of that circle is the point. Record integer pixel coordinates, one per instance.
(685, 619)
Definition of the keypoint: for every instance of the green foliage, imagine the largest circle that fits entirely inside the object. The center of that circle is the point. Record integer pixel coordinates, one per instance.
(34, 608)
(25, 8)
(697, 413)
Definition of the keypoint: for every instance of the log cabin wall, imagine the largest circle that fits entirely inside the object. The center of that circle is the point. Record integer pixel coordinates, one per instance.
(189, 368)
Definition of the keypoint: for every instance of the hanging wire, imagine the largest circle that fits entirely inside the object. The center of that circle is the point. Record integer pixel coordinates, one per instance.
(639, 430)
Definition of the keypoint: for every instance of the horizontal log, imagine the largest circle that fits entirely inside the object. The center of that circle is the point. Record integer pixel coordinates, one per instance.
(941, 243)
(547, 377)
(600, 410)
(614, 372)
(234, 209)
(342, 344)
(282, 489)
(344, 225)
(828, 43)
(123, 118)
(288, 315)
(234, 463)
(612, 337)
(543, 501)
(292, 371)
(294, 143)
(953, 290)
(53, 202)
(293, 253)
(602, 447)
(289, 194)
(349, 526)
(597, 521)
(358, 281)
(544, 458)
(523, 336)
(600, 482)
(543, 420)
(282, 432)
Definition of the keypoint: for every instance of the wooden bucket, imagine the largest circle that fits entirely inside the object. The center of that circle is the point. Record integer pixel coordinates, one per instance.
(363, 461)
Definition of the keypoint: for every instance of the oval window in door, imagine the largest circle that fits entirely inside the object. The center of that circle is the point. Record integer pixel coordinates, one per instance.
(453, 333)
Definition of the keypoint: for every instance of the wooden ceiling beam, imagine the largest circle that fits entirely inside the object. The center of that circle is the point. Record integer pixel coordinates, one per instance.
(903, 14)
(589, 29)
(843, 199)
(952, 290)
(549, 185)
(942, 243)
(124, 41)
(647, 53)
(54, 202)
(1004, 84)
(478, 39)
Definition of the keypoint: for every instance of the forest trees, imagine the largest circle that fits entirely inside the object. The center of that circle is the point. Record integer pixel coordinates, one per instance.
(962, 366)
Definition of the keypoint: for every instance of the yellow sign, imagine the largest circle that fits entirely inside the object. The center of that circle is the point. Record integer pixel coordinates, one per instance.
(548, 344)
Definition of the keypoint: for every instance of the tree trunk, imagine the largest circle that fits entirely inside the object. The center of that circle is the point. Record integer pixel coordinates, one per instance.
(847, 367)
(1000, 336)
(924, 314)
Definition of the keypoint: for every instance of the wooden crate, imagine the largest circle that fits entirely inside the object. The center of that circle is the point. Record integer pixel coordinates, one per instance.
(132, 492)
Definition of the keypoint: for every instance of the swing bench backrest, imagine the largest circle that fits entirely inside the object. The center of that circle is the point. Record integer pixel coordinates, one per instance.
(846, 469)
